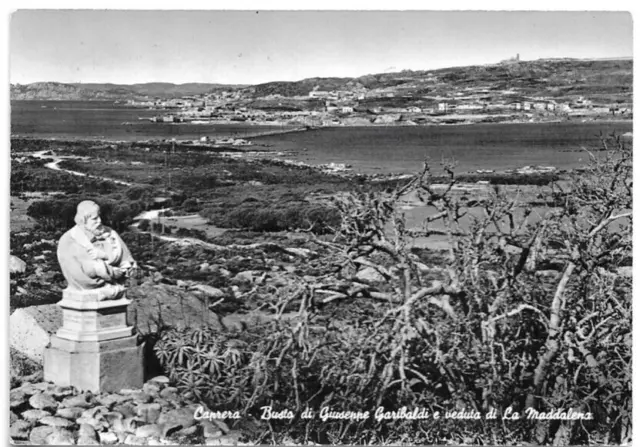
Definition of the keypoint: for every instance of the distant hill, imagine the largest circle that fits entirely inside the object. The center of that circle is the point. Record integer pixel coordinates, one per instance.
(60, 91)
(611, 79)
(550, 77)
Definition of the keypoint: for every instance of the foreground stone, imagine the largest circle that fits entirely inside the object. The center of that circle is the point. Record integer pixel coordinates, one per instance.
(30, 329)
(130, 416)
(16, 265)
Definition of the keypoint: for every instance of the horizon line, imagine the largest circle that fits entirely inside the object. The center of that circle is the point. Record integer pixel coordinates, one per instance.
(325, 77)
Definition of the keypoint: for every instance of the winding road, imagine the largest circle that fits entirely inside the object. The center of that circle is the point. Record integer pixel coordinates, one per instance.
(54, 165)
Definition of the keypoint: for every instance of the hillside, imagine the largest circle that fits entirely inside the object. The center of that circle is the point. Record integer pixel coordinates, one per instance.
(549, 78)
(606, 80)
(94, 91)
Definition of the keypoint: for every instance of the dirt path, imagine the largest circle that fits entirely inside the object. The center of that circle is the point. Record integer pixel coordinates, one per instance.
(54, 165)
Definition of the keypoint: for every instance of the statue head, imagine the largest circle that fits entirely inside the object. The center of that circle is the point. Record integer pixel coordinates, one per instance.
(88, 217)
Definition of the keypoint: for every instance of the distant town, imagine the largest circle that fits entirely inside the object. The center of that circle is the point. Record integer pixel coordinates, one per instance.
(411, 98)
(512, 90)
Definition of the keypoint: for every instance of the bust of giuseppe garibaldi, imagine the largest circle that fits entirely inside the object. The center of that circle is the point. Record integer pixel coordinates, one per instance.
(93, 258)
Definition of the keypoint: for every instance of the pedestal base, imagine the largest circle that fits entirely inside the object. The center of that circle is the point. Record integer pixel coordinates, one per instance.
(96, 366)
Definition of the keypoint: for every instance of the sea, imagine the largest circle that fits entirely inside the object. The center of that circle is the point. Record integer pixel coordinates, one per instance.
(384, 150)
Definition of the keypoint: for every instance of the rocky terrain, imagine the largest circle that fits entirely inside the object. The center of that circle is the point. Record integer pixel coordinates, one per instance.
(44, 414)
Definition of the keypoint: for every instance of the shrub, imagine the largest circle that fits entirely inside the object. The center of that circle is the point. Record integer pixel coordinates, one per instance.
(498, 331)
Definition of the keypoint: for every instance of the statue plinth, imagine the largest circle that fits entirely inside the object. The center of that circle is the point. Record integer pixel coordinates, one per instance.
(95, 349)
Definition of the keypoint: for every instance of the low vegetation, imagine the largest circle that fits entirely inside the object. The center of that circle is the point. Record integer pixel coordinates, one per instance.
(518, 313)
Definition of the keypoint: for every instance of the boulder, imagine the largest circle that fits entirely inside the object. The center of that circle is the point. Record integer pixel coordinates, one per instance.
(38, 435)
(369, 274)
(30, 329)
(20, 430)
(108, 437)
(43, 401)
(149, 412)
(84, 400)
(34, 415)
(149, 431)
(17, 399)
(153, 303)
(16, 265)
(70, 413)
(212, 292)
(56, 421)
(60, 436)
(134, 440)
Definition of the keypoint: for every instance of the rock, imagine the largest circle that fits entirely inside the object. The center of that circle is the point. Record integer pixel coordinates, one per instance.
(87, 431)
(29, 389)
(224, 272)
(56, 421)
(95, 423)
(38, 435)
(171, 305)
(175, 420)
(84, 400)
(211, 292)
(142, 398)
(152, 388)
(209, 429)
(163, 380)
(34, 415)
(37, 376)
(95, 412)
(204, 267)
(60, 392)
(112, 416)
(369, 274)
(134, 440)
(16, 265)
(12, 417)
(30, 329)
(109, 400)
(87, 441)
(245, 277)
(70, 413)
(213, 433)
(221, 424)
(43, 401)
(17, 399)
(188, 432)
(44, 386)
(126, 409)
(169, 392)
(164, 403)
(302, 252)
(131, 424)
(108, 437)
(60, 436)
(149, 412)
(149, 431)
(117, 426)
(20, 430)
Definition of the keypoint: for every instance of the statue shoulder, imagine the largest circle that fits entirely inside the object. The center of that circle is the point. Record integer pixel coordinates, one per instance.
(67, 237)
(66, 242)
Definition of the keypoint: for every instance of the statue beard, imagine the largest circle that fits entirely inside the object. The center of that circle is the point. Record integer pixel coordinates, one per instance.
(96, 231)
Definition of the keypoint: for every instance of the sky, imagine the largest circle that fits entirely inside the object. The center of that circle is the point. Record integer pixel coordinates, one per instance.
(254, 46)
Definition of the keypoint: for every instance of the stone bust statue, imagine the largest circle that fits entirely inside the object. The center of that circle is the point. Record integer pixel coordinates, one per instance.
(93, 258)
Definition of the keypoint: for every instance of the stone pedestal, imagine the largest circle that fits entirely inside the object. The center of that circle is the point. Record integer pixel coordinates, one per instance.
(94, 350)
